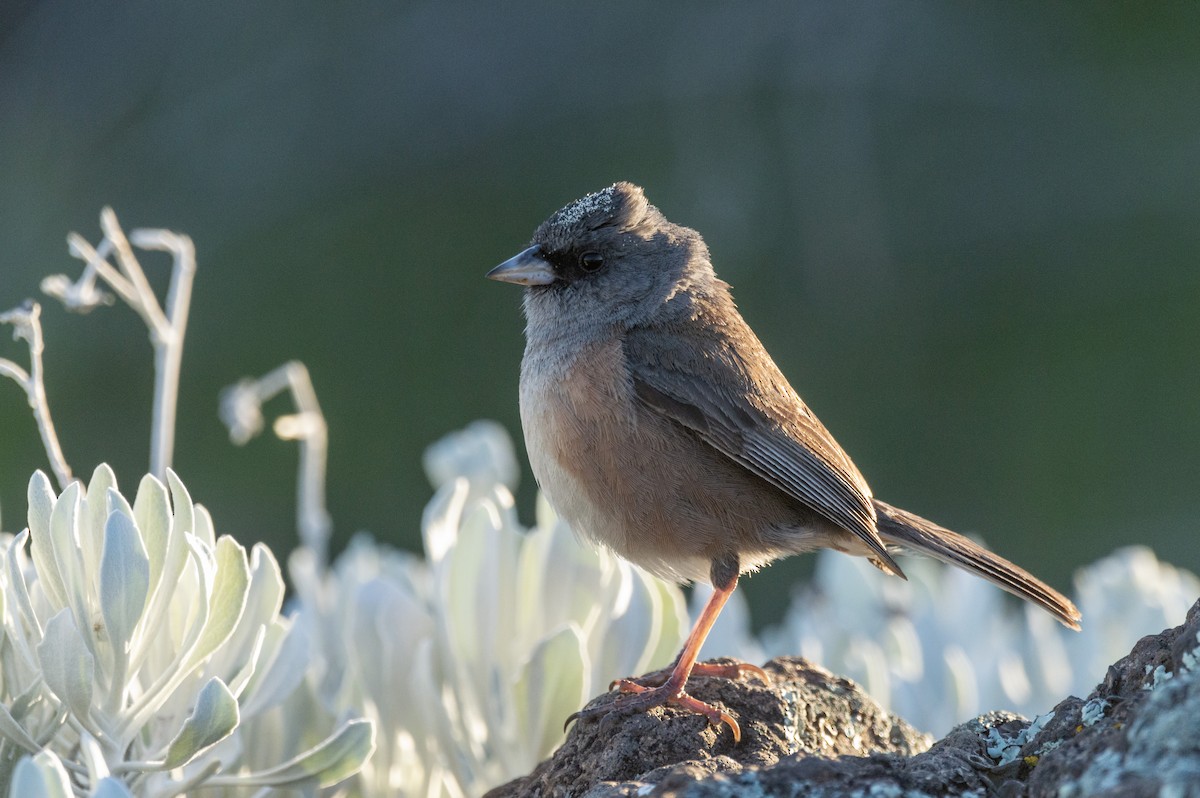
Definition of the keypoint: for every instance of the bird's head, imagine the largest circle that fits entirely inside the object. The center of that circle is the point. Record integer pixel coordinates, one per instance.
(610, 257)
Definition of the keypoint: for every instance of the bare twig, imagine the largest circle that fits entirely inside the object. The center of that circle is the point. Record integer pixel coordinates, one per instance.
(128, 281)
(241, 410)
(26, 322)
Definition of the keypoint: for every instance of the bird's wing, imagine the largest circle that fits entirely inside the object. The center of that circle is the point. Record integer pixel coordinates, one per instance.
(699, 375)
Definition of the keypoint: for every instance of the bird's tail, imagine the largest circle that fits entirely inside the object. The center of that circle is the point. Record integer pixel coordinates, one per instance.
(901, 528)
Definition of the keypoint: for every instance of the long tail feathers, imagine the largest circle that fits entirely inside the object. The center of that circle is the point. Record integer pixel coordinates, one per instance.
(901, 528)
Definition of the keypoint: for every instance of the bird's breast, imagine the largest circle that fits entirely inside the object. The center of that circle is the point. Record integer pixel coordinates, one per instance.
(619, 475)
(578, 419)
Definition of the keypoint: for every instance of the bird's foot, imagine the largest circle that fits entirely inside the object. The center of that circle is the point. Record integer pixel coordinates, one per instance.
(639, 698)
(731, 670)
(722, 670)
(666, 688)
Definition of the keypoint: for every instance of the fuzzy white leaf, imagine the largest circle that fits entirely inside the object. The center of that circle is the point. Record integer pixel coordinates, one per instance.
(440, 521)
(94, 514)
(118, 503)
(561, 581)
(268, 588)
(181, 500)
(482, 452)
(285, 671)
(91, 757)
(229, 589)
(40, 776)
(12, 729)
(250, 657)
(638, 620)
(193, 616)
(124, 579)
(389, 623)
(552, 685)
(152, 513)
(264, 598)
(41, 505)
(64, 534)
(205, 530)
(110, 787)
(214, 718)
(337, 757)
(671, 624)
(162, 531)
(67, 665)
(480, 584)
(20, 592)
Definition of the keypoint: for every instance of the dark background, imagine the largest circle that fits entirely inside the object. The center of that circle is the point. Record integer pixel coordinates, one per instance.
(968, 233)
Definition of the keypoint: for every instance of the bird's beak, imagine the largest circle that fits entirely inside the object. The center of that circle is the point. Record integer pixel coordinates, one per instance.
(525, 268)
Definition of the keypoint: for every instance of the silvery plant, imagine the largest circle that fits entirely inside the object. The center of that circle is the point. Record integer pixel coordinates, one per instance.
(141, 653)
(138, 646)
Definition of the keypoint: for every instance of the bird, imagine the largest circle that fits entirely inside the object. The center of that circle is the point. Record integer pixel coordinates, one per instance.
(658, 426)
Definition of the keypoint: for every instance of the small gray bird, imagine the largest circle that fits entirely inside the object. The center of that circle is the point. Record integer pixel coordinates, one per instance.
(658, 426)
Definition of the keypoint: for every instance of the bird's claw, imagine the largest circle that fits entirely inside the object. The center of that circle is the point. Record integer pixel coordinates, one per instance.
(732, 670)
(659, 689)
(722, 670)
(638, 698)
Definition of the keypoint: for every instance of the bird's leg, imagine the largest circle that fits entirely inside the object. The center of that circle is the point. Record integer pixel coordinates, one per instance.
(670, 691)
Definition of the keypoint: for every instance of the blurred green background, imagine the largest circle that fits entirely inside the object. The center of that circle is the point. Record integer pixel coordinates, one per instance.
(968, 233)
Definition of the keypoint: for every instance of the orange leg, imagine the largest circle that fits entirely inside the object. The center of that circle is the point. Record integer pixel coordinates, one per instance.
(642, 695)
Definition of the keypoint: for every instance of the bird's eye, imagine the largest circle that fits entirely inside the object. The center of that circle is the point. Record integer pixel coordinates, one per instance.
(591, 261)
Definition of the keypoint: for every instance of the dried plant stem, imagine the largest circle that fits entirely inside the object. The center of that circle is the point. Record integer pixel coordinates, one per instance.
(168, 342)
(26, 321)
(241, 409)
(129, 282)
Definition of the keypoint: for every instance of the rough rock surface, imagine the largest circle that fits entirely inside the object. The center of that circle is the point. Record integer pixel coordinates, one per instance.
(814, 734)
(1137, 734)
